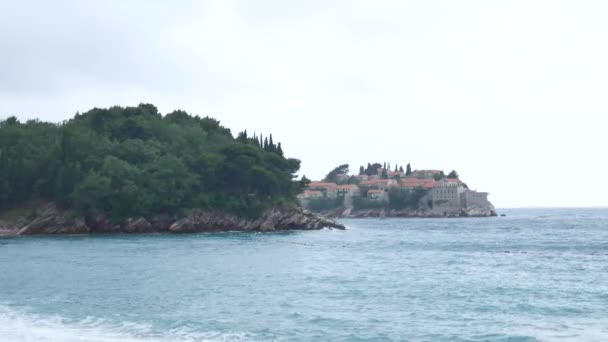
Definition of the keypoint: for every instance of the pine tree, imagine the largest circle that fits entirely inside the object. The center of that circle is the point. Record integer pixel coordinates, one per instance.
(266, 144)
(408, 170)
(271, 146)
(361, 170)
(401, 169)
(396, 169)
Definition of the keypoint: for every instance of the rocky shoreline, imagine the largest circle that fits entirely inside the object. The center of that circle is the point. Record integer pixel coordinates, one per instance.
(383, 213)
(49, 219)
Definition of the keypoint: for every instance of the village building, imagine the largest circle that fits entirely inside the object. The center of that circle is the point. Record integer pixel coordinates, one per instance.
(396, 174)
(446, 196)
(310, 194)
(474, 199)
(425, 183)
(380, 183)
(362, 177)
(454, 182)
(348, 190)
(329, 189)
(377, 194)
(424, 173)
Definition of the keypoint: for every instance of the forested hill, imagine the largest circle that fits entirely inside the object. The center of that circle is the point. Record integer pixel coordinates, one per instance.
(134, 162)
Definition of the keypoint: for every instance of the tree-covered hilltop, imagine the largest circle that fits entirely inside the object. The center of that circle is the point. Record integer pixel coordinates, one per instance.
(134, 162)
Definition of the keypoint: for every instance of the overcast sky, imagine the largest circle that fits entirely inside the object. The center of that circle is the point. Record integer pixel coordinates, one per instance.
(511, 94)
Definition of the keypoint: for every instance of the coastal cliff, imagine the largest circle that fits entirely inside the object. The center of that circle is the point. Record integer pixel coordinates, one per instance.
(49, 219)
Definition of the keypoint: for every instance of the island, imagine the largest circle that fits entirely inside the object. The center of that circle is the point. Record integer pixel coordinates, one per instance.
(381, 191)
(134, 170)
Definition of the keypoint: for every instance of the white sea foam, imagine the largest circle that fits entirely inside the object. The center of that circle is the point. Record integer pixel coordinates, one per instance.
(572, 331)
(16, 326)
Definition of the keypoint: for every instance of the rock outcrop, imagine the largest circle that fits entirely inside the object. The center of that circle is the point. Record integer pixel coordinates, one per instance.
(470, 212)
(275, 219)
(48, 219)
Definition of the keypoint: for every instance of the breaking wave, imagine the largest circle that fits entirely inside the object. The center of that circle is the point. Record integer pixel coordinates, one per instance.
(17, 326)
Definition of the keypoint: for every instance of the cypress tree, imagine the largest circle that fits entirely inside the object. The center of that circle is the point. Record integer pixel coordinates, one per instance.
(279, 149)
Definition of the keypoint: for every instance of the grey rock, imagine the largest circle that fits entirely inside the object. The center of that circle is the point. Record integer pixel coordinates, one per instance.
(51, 220)
(275, 219)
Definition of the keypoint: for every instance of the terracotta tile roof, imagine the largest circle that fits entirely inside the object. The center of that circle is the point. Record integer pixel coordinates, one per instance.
(375, 181)
(311, 193)
(423, 182)
(346, 186)
(427, 171)
(317, 184)
(375, 191)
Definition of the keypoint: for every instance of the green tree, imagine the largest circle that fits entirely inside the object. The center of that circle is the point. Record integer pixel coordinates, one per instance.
(338, 170)
(132, 161)
(405, 198)
(280, 149)
(439, 176)
(453, 174)
(408, 170)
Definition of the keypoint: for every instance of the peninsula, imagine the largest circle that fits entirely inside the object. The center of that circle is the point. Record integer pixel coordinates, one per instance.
(380, 191)
(133, 170)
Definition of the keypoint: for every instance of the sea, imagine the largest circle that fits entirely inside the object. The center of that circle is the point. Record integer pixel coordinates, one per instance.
(532, 275)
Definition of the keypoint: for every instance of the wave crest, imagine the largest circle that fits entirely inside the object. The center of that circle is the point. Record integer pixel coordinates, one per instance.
(16, 326)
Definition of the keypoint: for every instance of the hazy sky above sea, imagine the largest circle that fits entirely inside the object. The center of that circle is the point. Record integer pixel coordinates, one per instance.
(511, 94)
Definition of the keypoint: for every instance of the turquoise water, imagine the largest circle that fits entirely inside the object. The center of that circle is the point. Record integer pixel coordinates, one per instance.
(535, 275)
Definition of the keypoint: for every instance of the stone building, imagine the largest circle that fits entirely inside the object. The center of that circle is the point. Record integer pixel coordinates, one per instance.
(450, 196)
(424, 173)
(474, 199)
(378, 194)
(446, 198)
(380, 183)
(329, 189)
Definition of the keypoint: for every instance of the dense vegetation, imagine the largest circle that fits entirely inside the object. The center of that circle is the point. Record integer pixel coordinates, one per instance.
(362, 203)
(128, 162)
(320, 204)
(398, 199)
(405, 198)
(332, 176)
